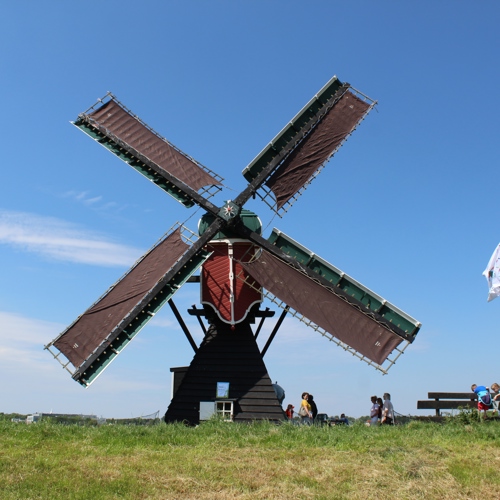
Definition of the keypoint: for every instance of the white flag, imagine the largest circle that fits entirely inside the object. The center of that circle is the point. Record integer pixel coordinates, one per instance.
(492, 274)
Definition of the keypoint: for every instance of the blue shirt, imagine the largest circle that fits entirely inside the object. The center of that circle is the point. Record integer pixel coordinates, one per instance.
(480, 390)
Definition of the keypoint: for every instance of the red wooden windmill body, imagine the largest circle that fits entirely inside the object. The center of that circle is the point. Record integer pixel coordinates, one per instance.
(224, 281)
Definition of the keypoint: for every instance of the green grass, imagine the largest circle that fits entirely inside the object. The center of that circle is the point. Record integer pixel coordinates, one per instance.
(256, 461)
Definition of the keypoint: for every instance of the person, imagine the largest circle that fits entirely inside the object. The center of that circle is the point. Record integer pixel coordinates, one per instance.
(483, 398)
(305, 409)
(387, 411)
(373, 412)
(289, 412)
(380, 404)
(280, 392)
(495, 397)
(314, 408)
(343, 419)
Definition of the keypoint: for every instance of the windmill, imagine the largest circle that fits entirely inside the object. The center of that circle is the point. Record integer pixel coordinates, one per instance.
(238, 266)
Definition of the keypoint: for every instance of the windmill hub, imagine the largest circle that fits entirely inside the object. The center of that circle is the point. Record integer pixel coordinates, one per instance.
(230, 211)
(248, 218)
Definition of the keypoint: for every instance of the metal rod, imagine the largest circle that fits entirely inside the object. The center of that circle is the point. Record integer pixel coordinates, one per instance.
(183, 325)
(261, 323)
(275, 330)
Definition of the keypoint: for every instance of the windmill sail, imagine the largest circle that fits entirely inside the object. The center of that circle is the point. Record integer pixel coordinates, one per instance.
(326, 309)
(299, 152)
(101, 332)
(124, 134)
(401, 323)
(331, 302)
(316, 148)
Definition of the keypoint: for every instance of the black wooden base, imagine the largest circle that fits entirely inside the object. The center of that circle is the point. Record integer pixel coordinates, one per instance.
(232, 356)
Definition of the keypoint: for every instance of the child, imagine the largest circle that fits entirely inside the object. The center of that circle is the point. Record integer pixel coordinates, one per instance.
(495, 396)
(289, 412)
(483, 398)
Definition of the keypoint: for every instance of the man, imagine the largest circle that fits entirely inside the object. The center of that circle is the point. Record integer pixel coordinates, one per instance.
(387, 410)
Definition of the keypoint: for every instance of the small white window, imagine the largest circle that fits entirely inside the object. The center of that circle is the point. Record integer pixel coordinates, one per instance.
(224, 410)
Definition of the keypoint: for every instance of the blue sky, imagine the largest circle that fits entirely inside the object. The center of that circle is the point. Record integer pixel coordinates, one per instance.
(407, 207)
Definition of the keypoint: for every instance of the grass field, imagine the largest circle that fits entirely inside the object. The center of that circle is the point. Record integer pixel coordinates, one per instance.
(455, 460)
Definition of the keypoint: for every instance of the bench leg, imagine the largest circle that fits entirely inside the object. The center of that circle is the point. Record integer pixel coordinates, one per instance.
(438, 411)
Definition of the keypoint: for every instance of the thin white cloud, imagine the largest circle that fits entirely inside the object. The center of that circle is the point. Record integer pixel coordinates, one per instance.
(34, 381)
(81, 196)
(22, 340)
(164, 322)
(95, 202)
(61, 240)
(18, 329)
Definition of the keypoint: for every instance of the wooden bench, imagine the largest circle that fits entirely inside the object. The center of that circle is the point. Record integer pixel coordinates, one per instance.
(448, 401)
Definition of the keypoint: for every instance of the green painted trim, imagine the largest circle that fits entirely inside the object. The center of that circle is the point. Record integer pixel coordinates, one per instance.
(341, 280)
(291, 129)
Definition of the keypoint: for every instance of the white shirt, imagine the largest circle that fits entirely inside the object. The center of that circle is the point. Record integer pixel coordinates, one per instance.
(374, 413)
(390, 409)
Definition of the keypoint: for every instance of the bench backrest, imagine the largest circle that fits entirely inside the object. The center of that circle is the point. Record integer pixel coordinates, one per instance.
(452, 395)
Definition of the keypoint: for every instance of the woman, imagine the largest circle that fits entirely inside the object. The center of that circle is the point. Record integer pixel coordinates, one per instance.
(374, 412)
(380, 405)
(305, 409)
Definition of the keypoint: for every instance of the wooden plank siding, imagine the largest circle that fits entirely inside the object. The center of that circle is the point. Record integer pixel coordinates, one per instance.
(232, 356)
